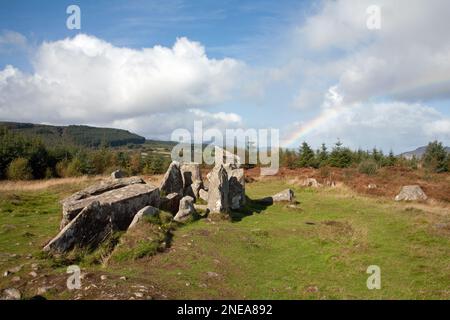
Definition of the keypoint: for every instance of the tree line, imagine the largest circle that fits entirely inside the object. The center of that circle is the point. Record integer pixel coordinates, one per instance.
(23, 158)
(435, 159)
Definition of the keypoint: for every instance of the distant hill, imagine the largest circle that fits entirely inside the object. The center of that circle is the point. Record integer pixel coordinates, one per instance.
(75, 135)
(419, 152)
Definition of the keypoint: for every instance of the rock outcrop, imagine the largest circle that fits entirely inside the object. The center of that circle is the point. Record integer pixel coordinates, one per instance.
(102, 214)
(173, 180)
(218, 190)
(411, 193)
(186, 209)
(73, 205)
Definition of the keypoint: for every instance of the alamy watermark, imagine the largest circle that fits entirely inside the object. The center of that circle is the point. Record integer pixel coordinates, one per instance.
(374, 280)
(373, 21)
(74, 280)
(238, 146)
(74, 19)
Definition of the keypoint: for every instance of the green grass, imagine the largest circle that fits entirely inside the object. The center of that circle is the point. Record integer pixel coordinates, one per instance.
(320, 250)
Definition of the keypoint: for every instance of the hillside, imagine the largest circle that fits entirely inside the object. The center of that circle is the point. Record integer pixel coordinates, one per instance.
(418, 153)
(76, 135)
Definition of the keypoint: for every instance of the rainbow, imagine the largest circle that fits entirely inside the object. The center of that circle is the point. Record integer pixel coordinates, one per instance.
(324, 117)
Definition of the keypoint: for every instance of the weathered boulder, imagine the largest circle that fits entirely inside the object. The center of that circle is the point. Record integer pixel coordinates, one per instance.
(218, 190)
(203, 194)
(185, 210)
(73, 205)
(411, 193)
(103, 214)
(173, 180)
(284, 196)
(11, 294)
(236, 181)
(118, 174)
(147, 211)
(171, 202)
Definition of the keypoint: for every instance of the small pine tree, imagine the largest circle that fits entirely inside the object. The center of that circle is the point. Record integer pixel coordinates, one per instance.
(306, 156)
(435, 157)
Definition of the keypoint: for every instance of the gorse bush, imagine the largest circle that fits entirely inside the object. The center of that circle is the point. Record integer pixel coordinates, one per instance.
(19, 169)
(368, 167)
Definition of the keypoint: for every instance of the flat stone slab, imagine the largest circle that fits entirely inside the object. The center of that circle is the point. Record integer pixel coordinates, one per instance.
(73, 205)
(103, 214)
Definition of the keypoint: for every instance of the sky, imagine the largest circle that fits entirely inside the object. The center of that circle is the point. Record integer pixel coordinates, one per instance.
(312, 69)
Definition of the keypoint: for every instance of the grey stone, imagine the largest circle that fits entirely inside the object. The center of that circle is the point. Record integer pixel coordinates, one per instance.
(172, 180)
(236, 181)
(203, 194)
(108, 212)
(411, 193)
(11, 294)
(190, 173)
(310, 182)
(171, 202)
(118, 174)
(218, 192)
(285, 195)
(185, 210)
(147, 211)
(73, 205)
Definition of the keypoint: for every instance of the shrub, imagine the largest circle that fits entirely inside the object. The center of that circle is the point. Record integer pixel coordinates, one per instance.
(368, 167)
(435, 157)
(19, 169)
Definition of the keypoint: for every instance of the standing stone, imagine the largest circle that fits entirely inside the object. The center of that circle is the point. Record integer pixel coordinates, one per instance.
(411, 193)
(218, 191)
(191, 173)
(147, 211)
(236, 181)
(173, 180)
(185, 210)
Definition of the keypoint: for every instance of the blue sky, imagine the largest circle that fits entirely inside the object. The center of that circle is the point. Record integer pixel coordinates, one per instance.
(309, 68)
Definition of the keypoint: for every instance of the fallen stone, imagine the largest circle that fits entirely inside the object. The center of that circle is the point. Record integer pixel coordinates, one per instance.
(173, 180)
(171, 202)
(411, 193)
(73, 205)
(109, 212)
(218, 192)
(148, 211)
(186, 209)
(310, 182)
(285, 195)
(118, 174)
(11, 294)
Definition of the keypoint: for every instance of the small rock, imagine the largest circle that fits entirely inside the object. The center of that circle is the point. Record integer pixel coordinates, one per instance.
(212, 274)
(6, 273)
(11, 294)
(103, 277)
(139, 294)
(33, 274)
(35, 266)
(123, 278)
(16, 279)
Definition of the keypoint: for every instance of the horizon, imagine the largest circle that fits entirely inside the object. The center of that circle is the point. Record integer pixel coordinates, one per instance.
(314, 70)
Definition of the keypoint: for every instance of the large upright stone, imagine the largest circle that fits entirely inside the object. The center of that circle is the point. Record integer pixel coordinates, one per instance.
(103, 214)
(73, 205)
(173, 180)
(192, 179)
(218, 190)
(236, 181)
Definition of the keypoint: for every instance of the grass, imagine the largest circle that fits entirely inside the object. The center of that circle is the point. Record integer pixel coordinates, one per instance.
(320, 249)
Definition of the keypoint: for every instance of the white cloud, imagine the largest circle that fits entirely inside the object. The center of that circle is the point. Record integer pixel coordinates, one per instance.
(10, 40)
(87, 80)
(408, 59)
